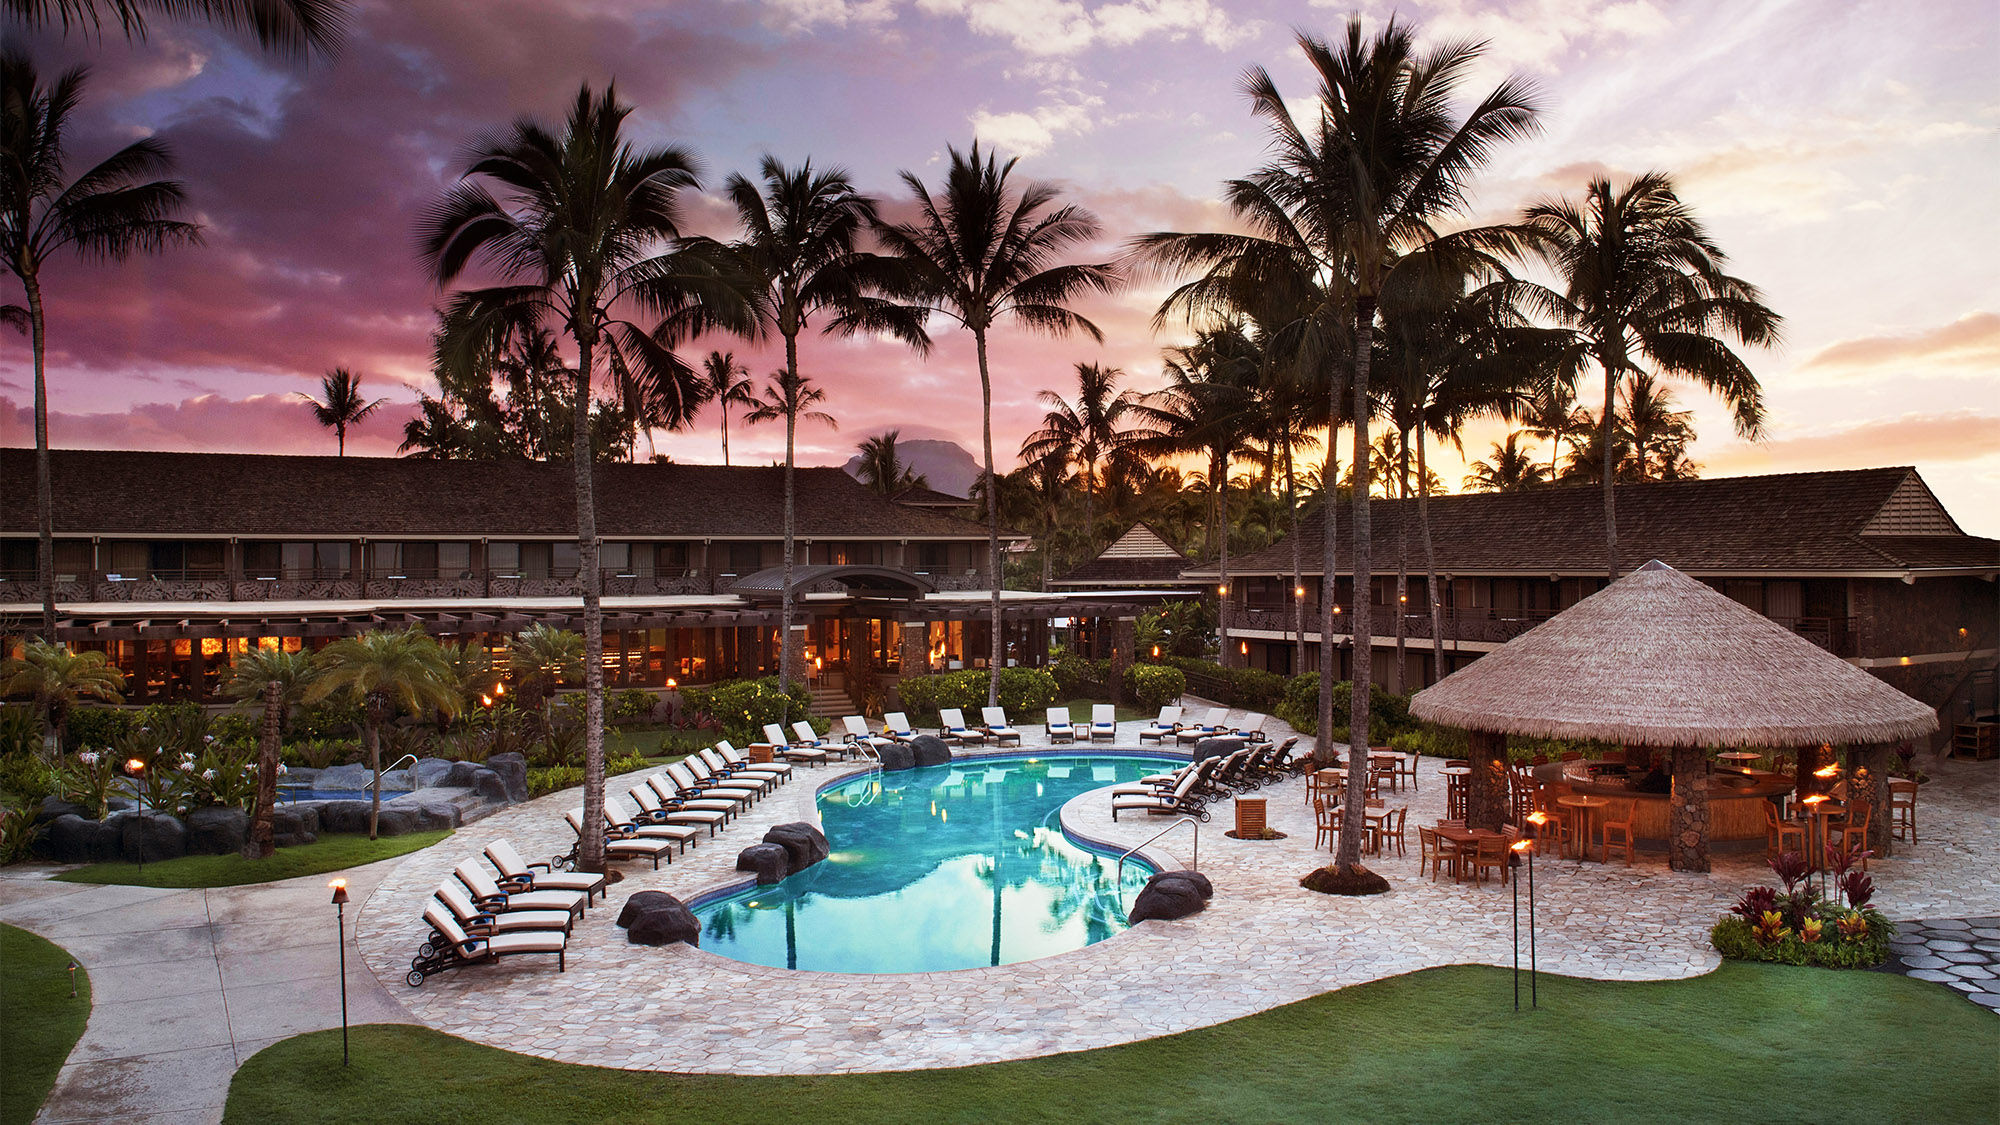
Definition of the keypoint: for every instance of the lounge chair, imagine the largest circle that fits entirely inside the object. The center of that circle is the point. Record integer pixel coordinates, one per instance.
(484, 923)
(1254, 731)
(1215, 722)
(669, 807)
(1059, 728)
(460, 948)
(1162, 727)
(619, 844)
(710, 781)
(997, 728)
(486, 893)
(1103, 722)
(1159, 785)
(896, 725)
(712, 797)
(804, 746)
(517, 874)
(953, 729)
(860, 737)
(1181, 799)
(657, 820)
(726, 762)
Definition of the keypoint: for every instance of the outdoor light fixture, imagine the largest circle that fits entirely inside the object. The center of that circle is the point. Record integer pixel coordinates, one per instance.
(1156, 652)
(339, 887)
(673, 683)
(486, 701)
(1526, 847)
(73, 967)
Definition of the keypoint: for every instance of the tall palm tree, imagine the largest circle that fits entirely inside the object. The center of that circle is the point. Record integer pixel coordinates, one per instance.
(58, 678)
(1659, 434)
(288, 28)
(1643, 287)
(790, 399)
(1509, 468)
(343, 405)
(1091, 433)
(799, 247)
(1552, 415)
(584, 233)
(982, 252)
(1385, 160)
(277, 680)
(384, 673)
(108, 213)
(883, 469)
(728, 385)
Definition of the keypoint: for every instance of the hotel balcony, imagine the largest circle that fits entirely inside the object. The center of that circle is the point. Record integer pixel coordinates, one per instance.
(1491, 626)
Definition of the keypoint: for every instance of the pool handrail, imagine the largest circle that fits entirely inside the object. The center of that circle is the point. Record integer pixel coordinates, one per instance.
(376, 781)
(1194, 864)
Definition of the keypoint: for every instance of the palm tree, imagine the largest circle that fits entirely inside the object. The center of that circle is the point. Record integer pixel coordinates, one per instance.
(1384, 161)
(800, 233)
(385, 672)
(1509, 468)
(278, 681)
(980, 253)
(728, 385)
(1552, 415)
(59, 678)
(1643, 287)
(588, 228)
(540, 659)
(288, 28)
(343, 405)
(108, 213)
(792, 399)
(883, 470)
(1090, 434)
(1659, 434)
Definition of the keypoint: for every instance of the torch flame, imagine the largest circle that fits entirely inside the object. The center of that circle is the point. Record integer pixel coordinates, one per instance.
(1538, 818)
(1827, 771)
(336, 884)
(134, 765)
(1523, 845)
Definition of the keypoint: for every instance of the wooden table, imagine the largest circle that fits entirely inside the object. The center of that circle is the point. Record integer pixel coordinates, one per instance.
(1585, 807)
(1377, 760)
(1818, 814)
(1321, 782)
(1463, 842)
(1741, 757)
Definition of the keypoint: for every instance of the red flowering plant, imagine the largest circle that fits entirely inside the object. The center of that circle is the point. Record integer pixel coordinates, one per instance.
(1799, 926)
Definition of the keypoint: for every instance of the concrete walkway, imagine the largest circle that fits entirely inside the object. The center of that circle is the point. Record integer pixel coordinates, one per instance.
(188, 984)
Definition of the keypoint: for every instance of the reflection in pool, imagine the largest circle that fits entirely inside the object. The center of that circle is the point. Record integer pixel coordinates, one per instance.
(945, 867)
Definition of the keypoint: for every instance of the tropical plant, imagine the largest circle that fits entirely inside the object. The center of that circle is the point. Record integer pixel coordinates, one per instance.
(384, 672)
(1659, 434)
(57, 678)
(1509, 468)
(1643, 286)
(343, 404)
(728, 384)
(108, 213)
(588, 228)
(883, 470)
(1093, 434)
(277, 680)
(288, 28)
(90, 777)
(540, 659)
(1552, 415)
(789, 397)
(980, 253)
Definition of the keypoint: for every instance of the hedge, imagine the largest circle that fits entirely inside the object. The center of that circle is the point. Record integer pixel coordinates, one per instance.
(1388, 714)
(744, 706)
(1023, 693)
(1735, 938)
(1252, 689)
(1155, 685)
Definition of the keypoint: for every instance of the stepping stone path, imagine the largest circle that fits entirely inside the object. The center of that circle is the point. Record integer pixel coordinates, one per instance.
(1963, 954)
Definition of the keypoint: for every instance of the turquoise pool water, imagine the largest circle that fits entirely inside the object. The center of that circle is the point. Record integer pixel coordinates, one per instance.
(945, 867)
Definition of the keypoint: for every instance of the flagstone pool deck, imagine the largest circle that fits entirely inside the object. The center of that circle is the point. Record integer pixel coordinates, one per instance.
(1263, 942)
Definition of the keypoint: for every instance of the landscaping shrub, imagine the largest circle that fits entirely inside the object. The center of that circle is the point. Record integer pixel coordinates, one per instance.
(1252, 689)
(330, 718)
(1023, 691)
(1155, 685)
(1078, 676)
(95, 728)
(181, 728)
(319, 753)
(633, 705)
(742, 707)
(1797, 926)
(1431, 741)
(1388, 714)
(20, 731)
(542, 782)
(626, 763)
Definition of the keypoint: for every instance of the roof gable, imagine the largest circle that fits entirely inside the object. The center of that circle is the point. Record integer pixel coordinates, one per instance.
(1912, 510)
(1141, 542)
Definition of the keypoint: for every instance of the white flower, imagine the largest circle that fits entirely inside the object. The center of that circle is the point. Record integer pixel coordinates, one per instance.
(283, 769)
(208, 738)
(87, 757)
(208, 775)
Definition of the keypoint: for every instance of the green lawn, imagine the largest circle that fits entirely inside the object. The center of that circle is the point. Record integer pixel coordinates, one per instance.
(329, 853)
(1748, 1042)
(39, 1023)
(1079, 713)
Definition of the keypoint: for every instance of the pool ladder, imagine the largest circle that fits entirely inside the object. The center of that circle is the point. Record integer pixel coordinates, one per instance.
(1193, 865)
(410, 758)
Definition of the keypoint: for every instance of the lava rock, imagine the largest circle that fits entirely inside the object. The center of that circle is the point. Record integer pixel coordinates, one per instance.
(513, 768)
(433, 812)
(804, 844)
(70, 838)
(1216, 747)
(1167, 897)
(53, 807)
(291, 827)
(897, 756)
(305, 777)
(658, 918)
(351, 817)
(489, 785)
(398, 780)
(1199, 880)
(217, 830)
(432, 771)
(151, 837)
(771, 862)
(930, 750)
(355, 776)
(460, 775)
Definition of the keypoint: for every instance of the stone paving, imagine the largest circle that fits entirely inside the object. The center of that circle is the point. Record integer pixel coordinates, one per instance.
(1963, 954)
(1263, 941)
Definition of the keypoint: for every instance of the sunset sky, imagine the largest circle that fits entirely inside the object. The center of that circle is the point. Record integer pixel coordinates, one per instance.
(1843, 154)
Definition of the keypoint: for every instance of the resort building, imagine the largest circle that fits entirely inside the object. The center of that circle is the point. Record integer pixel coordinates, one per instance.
(171, 562)
(1866, 563)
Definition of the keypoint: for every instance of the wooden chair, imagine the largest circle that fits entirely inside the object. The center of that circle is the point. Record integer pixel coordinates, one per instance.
(1777, 831)
(1430, 851)
(1492, 855)
(1454, 798)
(1903, 807)
(1379, 772)
(1622, 828)
(1392, 830)
(1326, 823)
(1851, 834)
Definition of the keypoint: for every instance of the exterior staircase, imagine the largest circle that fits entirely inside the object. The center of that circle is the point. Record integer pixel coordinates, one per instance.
(830, 703)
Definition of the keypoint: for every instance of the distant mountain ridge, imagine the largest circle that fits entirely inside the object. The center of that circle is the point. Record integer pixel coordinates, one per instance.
(945, 464)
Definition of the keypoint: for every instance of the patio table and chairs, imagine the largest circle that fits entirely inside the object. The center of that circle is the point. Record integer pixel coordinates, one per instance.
(1458, 844)
(1454, 789)
(1584, 808)
(1385, 764)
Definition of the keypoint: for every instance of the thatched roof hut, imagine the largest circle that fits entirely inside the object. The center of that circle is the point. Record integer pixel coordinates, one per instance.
(1659, 659)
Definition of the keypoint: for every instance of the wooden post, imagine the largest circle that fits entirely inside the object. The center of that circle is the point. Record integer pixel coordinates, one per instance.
(1486, 788)
(1868, 783)
(1124, 636)
(1687, 814)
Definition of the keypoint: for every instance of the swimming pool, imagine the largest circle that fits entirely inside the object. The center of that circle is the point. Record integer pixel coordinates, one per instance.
(945, 867)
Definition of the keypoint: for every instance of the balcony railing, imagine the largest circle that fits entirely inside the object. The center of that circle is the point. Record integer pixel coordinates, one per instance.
(1835, 634)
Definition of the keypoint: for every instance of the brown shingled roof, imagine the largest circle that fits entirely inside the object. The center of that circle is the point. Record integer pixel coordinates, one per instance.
(1787, 522)
(143, 493)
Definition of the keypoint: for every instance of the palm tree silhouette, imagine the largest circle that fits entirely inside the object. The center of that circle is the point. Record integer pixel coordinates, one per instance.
(882, 469)
(287, 28)
(342, 404)
(1090, 434)
(384, 672)
(728, 385)
(1509, 468)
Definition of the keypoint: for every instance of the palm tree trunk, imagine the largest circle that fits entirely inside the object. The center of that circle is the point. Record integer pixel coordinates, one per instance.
(1298, 563)
(590, 849)
(787, 643)
(992, 514)
(1430, 562)
(45, 496)
(725, 434)
(371, 734)
(1329, 584)
(1224, 617)
(1349, 851)
(1604, 431)
(260, 843)
(340, 439)
(1402, 606)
